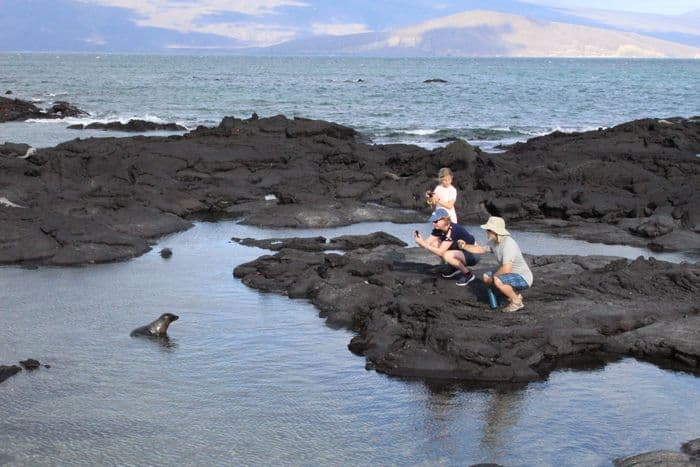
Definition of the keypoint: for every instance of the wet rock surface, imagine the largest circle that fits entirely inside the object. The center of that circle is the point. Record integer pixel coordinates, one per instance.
(411, 322)
(20, 110)
(320, 243)
(13, 149)
(133, 125)
(30, 364)
(688, 457)
(104, 199)
(7, 371)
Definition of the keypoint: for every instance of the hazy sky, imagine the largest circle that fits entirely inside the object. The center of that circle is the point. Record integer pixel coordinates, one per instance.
(166, 24)
(272, 21)
(660, 7)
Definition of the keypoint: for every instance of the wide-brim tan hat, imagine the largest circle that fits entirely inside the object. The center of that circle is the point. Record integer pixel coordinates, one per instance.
(497, 225)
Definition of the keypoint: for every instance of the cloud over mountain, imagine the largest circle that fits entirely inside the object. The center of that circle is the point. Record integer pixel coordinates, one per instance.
(357, 27)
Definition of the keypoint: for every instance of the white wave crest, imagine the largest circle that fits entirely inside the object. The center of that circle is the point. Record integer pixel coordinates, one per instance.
(419, 131)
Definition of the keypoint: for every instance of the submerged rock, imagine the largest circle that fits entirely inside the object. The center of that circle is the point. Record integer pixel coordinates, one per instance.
(411, 322)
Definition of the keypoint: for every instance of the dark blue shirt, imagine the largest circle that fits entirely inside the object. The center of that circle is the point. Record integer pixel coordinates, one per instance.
(455, 232)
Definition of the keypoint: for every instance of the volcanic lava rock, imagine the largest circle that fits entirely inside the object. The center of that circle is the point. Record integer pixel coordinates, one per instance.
(131, 126)
(7, 371)
(63, 109)
(319, 243)
(13, 149)
(690, 456)
(104, 199)
(30, 364)
(20, 110)
(411, 322)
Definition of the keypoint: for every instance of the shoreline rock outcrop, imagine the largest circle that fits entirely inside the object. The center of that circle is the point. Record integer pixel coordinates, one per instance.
(133, 125)
(12, 110)
(105, 199)
(689, 456)
(411, 322)
(30, 364)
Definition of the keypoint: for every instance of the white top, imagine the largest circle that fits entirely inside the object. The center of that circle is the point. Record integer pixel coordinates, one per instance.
(508, 251)
(446, 194)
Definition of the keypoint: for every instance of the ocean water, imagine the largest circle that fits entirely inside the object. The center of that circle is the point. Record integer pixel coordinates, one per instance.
(258, 379)
(487, 101)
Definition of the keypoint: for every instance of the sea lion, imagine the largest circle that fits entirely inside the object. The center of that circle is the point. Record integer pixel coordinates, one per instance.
(157, 328)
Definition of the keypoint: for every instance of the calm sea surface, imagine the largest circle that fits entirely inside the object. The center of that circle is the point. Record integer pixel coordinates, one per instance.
(486, 101)
(253, 378)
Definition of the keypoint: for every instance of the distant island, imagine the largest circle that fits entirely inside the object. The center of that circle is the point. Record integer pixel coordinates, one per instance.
(479, 33)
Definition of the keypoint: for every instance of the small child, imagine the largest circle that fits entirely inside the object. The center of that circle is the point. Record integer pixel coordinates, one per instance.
(444, 195)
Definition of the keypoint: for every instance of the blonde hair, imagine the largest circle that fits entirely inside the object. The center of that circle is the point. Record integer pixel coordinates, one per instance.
(444, 172)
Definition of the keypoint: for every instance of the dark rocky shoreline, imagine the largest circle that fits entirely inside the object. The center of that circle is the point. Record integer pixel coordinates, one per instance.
(688, 456)
(411, 322)
(105, 199)
(30, 364)
(19, 110)
(130, 126)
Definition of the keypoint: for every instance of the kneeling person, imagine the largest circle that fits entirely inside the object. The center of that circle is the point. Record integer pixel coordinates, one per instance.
(513, 273)
(443, 243)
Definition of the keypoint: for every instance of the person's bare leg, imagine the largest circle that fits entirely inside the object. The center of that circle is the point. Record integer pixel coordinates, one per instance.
(507, 290)
(456, 259)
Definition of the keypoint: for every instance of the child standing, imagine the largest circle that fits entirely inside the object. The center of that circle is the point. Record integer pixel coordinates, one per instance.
(445, 195)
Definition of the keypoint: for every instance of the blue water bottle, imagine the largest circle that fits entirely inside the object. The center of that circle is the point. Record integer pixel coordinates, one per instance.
(493, 303)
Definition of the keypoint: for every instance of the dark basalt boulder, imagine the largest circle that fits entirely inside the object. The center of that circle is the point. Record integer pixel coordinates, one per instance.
(409, 321)
(16, 109)
(130, 126)
(62, 109)
(7, 371)
(692, 448)
(19, 110)
(30, 364)
(166, 253)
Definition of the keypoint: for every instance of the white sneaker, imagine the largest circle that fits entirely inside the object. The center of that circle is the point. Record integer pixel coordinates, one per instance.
(513, 307)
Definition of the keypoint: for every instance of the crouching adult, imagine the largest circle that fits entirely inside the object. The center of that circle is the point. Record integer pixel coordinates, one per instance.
(443, 243)
(513, 273)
